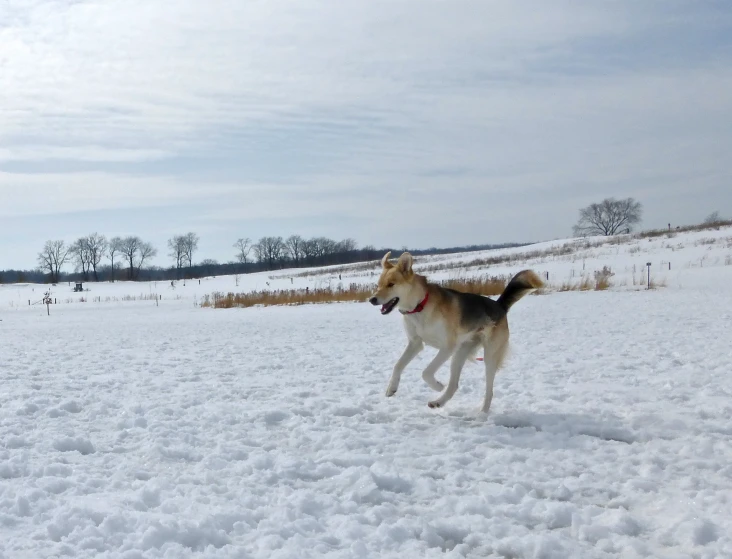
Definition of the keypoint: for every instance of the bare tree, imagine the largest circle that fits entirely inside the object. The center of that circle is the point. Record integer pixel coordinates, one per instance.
(191, 246)
(269, 250)
(113, 248)
(243, 247)
(370, 252)
(310, 250)
(80, 252)
(347, 245)
(325, 246)
(96, 245)
(129, 247)
(145, 252)
(52, 258)
(260, 253)
(609, 217)
(177, 246)
(294, 246)
(45, 260)
(713, 219)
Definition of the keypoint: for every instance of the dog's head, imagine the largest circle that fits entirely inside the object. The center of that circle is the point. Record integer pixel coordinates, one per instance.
(395, 282)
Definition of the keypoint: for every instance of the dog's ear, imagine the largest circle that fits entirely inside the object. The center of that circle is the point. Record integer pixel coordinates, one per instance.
(405, 263)
(385, 261)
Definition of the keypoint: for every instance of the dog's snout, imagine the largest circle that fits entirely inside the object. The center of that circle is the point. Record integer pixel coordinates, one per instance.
(374, 301)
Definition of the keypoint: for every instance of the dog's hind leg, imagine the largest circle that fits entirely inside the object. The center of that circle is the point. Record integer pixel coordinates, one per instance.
(493, 361)
(429, 372)
(413, 348)
(456, 367)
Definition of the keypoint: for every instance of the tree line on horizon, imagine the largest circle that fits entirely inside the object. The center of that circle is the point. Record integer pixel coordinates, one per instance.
(96, 258)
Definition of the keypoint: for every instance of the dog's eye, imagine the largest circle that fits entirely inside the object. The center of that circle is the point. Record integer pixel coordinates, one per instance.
(390, 285)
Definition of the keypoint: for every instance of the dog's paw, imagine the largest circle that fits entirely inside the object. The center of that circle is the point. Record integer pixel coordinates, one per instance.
(434, 405)
(435, 385)
(390, 392)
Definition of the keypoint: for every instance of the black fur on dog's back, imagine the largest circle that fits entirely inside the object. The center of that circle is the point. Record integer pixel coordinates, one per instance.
(477, 310)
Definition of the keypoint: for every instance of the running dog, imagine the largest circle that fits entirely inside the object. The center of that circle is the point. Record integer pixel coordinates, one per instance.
(457, 324)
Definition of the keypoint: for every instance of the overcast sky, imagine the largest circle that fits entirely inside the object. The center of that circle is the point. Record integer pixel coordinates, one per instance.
(394, 122)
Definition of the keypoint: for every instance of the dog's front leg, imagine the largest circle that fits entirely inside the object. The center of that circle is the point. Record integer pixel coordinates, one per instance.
(413, 348)
(456, 367)
(429, 372)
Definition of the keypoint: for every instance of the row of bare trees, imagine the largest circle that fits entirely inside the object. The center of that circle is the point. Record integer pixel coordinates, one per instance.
(87, 253)
(276, 252)
(182, 248)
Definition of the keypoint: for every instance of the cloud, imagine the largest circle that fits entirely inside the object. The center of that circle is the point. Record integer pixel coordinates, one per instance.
(44, 194)
(166, 74)
(373, 117)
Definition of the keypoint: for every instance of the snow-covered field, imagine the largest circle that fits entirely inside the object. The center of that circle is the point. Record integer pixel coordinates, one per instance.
(133, 430)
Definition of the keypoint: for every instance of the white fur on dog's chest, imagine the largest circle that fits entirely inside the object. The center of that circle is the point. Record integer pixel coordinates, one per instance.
(432, 333)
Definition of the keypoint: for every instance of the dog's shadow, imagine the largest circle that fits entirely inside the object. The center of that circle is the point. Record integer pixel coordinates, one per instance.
(606, 427)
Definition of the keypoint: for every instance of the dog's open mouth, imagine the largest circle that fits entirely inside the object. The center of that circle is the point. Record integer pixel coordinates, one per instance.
(386, 308)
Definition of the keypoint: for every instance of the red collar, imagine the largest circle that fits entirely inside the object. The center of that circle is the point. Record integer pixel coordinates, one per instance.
(420, 307)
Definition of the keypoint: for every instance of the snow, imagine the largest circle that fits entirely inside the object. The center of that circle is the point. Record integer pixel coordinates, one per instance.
(133, 430)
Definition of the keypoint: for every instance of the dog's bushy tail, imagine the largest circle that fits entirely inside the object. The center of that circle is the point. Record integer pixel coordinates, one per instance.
(522, 283)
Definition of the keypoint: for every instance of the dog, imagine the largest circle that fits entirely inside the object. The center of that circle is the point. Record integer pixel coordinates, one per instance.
(457, 324)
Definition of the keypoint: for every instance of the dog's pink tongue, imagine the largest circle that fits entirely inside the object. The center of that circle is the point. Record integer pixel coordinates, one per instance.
(383, 308)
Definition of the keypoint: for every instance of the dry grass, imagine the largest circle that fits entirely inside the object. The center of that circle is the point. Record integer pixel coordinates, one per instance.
(490, 286)
(686, 228)
(355, 292)
(655, 284)
(269, 298)
(585, 284)
(110, 299)
(567, 286)
(602, 278)
(603, 283)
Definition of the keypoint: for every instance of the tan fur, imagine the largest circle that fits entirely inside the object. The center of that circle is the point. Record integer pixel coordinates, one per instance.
(457, 324)
(521, 284)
